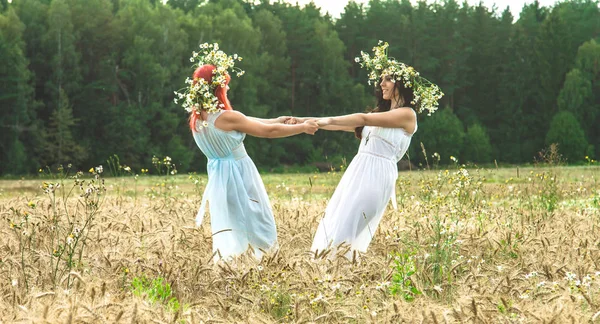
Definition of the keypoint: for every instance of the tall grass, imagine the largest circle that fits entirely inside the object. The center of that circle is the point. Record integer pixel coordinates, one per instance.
(465, 245)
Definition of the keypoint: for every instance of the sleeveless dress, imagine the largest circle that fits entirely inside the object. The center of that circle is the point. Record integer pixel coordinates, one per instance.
(240, 211)
(359, 201)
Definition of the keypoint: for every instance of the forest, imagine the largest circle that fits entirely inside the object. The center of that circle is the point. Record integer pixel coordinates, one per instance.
(82, 81)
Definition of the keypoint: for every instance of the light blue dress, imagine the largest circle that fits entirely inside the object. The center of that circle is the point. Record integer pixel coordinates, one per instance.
(240, 211)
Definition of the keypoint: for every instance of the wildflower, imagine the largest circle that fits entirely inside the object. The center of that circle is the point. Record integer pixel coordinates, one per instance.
(426, 93)
(70, 240)
(317, 299)
(200, 93)
(15, 282)
(382, 285)
(91, 170)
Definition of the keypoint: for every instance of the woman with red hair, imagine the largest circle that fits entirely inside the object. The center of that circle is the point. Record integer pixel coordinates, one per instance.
(240, 211)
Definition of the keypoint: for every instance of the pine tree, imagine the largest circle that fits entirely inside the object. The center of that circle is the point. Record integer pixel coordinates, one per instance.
(16, 98)
(62, 147)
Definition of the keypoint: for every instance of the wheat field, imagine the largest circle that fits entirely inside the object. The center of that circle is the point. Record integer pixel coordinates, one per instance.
(466, 245)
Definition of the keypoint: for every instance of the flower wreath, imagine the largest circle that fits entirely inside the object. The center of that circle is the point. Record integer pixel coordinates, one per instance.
(426, 94)
(200, 94)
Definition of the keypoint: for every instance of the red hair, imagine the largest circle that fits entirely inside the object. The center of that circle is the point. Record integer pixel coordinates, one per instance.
(206, 72)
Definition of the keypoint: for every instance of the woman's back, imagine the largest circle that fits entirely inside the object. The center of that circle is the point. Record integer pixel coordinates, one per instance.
(217, 144)
(241, 215)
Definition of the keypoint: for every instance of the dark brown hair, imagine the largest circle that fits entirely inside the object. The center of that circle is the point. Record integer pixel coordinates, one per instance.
(384, 105)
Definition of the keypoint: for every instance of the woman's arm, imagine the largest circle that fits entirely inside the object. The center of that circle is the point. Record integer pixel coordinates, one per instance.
(397, 118)
(278, 120)
(337, 128)
(234, 120)
(293, 120)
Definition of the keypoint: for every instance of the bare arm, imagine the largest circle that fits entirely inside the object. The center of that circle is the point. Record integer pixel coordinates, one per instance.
(326, 127)
(396, 118)
(338, 128)
(235, 120)
(278, 120)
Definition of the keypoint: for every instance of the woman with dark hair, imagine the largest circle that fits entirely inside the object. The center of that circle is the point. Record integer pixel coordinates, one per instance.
(359, 201)
(241, 215)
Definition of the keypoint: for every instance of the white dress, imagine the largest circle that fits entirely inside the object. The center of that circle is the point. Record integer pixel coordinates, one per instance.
(240, 211)
(360, 199)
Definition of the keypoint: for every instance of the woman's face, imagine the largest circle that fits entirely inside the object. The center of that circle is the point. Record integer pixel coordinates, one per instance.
(387, 87)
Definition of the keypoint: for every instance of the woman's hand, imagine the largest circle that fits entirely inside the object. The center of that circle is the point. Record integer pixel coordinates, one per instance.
(322, 122)
(310, 127)
(286, 120)
(291, 120)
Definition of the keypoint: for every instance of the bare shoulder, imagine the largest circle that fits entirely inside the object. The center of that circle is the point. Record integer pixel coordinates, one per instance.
(396, 118)
(229, 120)
(406, 113)
(231, 115)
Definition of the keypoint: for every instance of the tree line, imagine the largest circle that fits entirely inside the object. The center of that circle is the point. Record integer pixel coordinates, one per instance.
(82, 80)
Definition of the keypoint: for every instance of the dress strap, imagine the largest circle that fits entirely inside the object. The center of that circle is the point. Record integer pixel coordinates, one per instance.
(213, 116)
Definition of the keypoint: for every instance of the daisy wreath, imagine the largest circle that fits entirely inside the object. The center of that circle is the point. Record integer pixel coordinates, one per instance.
(200, 94)
(426, 94)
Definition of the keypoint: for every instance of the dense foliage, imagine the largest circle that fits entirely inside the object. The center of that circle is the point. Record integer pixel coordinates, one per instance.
(81, 80)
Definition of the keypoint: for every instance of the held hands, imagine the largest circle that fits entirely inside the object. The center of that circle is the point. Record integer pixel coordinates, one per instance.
(322, 122)
(289, 120)
(310, 126)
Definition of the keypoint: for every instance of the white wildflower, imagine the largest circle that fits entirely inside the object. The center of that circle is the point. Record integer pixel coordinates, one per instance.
(317, 299)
